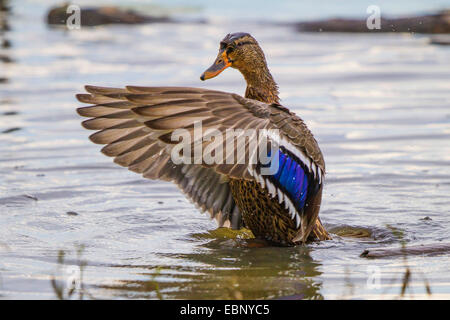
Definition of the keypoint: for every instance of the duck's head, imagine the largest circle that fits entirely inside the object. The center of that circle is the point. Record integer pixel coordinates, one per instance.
(240, 51)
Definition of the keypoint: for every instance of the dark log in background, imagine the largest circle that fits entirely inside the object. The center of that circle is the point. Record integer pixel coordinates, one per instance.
(434, 23)
(437, 248)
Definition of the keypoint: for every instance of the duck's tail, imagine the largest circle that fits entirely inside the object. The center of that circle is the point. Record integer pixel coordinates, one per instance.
(319, 232)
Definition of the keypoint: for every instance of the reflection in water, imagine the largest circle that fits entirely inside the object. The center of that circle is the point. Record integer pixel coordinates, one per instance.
(227, 267)
(68, 280)
(5, 43)
(5, 10)
(9, 130)
(5, 58)
(407, 276)
(222, 269)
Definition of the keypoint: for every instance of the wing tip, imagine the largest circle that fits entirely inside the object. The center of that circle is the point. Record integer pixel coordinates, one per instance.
(79, 111)
(93, 137)
(85, 124)
(84, 112)
(103, 90)
(84, 97)
(106, 151)
(89, 88)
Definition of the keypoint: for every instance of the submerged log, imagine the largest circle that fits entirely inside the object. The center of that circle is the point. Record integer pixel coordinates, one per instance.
(436, 248)
(442, 40)
(95, 16)
(434, 23)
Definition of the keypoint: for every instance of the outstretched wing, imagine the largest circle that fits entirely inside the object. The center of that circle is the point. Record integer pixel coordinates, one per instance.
(136, 125)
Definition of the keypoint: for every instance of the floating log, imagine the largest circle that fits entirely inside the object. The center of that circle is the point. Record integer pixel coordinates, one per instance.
(435, 248)
(442, 40)
(434, 23)
(95, 16)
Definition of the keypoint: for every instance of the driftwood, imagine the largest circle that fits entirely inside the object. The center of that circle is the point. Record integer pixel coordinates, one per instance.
(442, 40)
(434, 23)
(436, 248)
(95, 16)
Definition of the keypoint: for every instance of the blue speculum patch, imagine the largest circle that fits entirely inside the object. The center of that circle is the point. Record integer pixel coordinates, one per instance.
(291, 179)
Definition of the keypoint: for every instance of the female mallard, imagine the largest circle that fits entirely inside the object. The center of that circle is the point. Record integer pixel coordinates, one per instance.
(137, 123)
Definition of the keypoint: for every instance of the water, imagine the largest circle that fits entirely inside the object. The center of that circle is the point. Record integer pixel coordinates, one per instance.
(379, 106)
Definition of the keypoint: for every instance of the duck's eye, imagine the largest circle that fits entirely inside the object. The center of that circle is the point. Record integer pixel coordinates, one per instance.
(230, 50)
(223, 46)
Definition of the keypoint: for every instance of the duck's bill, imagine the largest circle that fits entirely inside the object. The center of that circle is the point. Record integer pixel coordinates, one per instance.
(217, 67)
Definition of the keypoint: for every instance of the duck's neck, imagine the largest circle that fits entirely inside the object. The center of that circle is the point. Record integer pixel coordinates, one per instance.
(261, 86)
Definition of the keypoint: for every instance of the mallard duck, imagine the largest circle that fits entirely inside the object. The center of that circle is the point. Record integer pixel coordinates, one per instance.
(136, 123)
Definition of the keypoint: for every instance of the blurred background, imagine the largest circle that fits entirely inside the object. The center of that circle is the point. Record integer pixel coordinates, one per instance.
(377, 102)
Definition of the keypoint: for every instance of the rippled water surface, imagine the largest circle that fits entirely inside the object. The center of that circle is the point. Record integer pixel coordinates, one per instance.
(379, 106)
